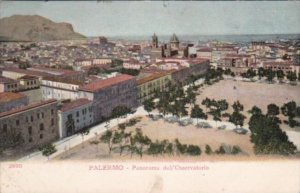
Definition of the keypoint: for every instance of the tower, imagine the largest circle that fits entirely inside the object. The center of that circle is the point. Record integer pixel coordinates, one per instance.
(174, 42)
(154, 41)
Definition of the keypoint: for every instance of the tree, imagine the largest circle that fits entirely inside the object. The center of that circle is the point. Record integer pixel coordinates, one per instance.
(255, 111)
(237, 118)
(216, 113)
(261, 72)
(179, 109)
(120, 111)
(291, 76)
(206, 102)
(198, 113)
(132, 72)
(149, 105)
(222, 105)
(273, 110)
(270, 75)
(237, 106)
(141, 140)
(107, 138)
(221, 150)
(250, 73)
(48, 150)
(181, 148)
(193, 150)
(208, 150)
(268, 138)
(280, 75)
(236, 150)
(94, 70)
(84, 132)
(289, 109)
(191, 95)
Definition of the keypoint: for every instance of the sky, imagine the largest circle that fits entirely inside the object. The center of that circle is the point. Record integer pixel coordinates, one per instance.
(164, 18)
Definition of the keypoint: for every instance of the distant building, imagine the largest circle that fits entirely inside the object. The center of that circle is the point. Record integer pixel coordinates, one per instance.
(174, 42)
(60, 89)
(29, 126)
(29, 82)
(103, 40)
(8, 85)
(154, 41)
(132, 64)
(285, 66)
(109, 93)
(75, 115)
(10, 100)
(42, 72)
(205, 53)
(182, 69)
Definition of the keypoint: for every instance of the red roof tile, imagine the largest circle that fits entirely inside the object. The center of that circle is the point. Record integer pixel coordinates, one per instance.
(10, 96)
(101, 84)
(74, 104)
(25, 108)
(6, 80)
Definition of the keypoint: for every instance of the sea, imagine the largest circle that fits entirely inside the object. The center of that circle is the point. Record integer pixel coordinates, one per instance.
(226, 38)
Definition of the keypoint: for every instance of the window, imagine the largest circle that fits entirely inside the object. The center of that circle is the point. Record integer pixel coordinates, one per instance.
(31, 118)
(77, 113)
(52, 122)
(29, 130)
(26, 119)
(43, 115)
(38, 115)
(41, 126)
(30, 140)
(52, 111)
(41, 136)
(4, 128)
(17, 122)
(77, 120)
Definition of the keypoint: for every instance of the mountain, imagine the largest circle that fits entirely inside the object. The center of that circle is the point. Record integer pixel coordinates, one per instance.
(35, 28)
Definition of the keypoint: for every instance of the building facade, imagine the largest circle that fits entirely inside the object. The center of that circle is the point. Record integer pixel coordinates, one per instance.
(75, 115)
(156, 82)
(8, 85)
(110, 93)
(30, 126)
(29, 82)
(11, 100)
(59, 89)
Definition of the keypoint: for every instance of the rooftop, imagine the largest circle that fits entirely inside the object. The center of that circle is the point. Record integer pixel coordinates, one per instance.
(152, 77)
(10, 96)
(28, 77)
(6, 80)
(25, 108)
(74, 104)
(101, 84)
(174, 39)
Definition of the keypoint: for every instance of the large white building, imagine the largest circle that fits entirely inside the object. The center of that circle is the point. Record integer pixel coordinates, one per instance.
(59, 89)
(75, 115)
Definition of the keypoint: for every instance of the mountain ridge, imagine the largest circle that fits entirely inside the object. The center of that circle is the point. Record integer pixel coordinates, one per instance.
(36, 28)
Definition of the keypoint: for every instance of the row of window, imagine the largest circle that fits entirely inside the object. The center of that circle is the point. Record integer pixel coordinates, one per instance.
(31, 82)
(12, 86)
(41, 126)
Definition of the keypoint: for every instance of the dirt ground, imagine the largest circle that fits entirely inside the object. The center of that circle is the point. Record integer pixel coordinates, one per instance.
(160, 130)
(248, 93)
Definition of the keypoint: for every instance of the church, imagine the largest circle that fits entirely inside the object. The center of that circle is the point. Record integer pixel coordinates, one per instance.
(165, 50)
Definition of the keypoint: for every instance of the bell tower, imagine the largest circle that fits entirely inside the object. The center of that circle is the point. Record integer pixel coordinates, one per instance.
(154, 41)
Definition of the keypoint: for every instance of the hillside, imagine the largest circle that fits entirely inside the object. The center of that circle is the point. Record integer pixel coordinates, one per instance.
(35, 28)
